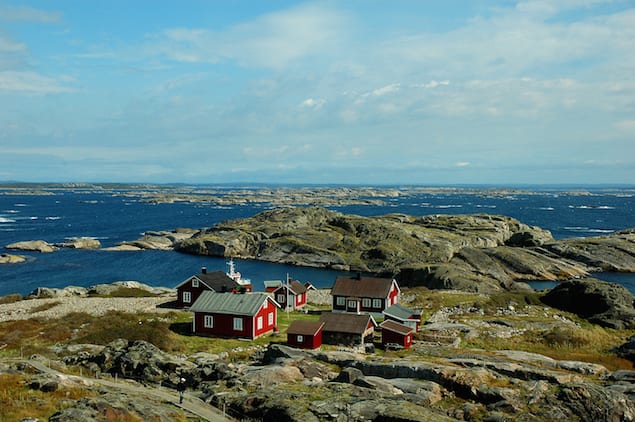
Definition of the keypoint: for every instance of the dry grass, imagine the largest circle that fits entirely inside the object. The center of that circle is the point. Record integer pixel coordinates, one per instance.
(12, 298)
(18, 401)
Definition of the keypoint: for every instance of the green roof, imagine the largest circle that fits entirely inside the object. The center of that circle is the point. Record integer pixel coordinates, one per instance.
(229, 303)
(400, 312)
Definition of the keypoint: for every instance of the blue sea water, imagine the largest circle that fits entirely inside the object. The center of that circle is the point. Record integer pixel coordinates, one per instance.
(114, 218)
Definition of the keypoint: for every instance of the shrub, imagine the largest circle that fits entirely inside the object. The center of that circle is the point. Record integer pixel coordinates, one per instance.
(10, 298)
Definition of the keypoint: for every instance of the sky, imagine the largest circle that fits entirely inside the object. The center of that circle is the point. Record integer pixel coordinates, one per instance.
(321, 92)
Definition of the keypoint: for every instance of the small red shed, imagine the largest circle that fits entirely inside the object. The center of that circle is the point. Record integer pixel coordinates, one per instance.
(403, 315)
(305, 334)
(394, 333)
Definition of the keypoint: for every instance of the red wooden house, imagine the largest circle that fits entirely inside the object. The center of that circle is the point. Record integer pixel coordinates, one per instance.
(305, 334)
(394, 334)
(190, 289)
(295, 292)
(403, 315)
(249, 315)
(364, 294)
(347, 329)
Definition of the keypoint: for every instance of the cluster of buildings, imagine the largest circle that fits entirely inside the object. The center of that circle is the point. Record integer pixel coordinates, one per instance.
(224, 304)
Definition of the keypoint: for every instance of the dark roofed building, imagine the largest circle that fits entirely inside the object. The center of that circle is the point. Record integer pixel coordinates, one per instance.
(216, 281)
(364, 294)
(346, 328)
(305, 334)
(394, 333)
(295, 292)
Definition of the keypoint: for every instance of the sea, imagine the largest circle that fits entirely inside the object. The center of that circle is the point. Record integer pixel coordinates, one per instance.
(114, 216)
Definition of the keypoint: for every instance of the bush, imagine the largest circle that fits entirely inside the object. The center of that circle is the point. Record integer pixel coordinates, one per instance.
(10, 298)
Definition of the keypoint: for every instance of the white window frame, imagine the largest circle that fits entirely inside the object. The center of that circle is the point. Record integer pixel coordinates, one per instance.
(238, 324)
(281, 298)
(351, 304)
(300, 338)
(265, 304)
(187, 297)
(208, 321)
(271, 318)
(340, 301)
(376, 303)
(195, 282)
(366, 302)
(259, 323)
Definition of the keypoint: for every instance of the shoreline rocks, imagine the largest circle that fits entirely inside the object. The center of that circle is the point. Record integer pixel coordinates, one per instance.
(11, 259)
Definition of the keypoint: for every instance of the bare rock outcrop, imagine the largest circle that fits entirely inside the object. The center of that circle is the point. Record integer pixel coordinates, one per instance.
(607, 304)
(32, 245)
(479, 252)
(6, 258)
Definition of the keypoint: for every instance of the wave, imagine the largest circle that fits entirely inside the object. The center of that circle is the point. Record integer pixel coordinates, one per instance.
(588, 230)
(448, 206)
(546, 208)
(52, 218)
(6, 220)
(485, 206)
(11, 211)
(592, 207)
(20, 205)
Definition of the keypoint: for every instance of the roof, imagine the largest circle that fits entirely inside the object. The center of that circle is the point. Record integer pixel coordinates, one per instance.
(307, 328)
(372, 287)
(341, 322)
(215, 280)
(396, 327)
(228, 303)
(401, 312)
(295, 286)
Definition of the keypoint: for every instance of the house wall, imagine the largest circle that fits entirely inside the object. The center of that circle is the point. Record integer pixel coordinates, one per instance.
(300, 300)
(308, 342)
(412, 322)
(393, 295)
(194, 291)
(264, 313)
(388, 336)
(223, 325)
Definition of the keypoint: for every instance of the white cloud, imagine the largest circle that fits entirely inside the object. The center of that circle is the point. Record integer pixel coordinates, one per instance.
(313, 103)
(462, 164)
(27, 14)
(9, 46)
(30, 82)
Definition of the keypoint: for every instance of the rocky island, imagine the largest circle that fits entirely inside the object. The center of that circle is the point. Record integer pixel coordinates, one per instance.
(478, 252)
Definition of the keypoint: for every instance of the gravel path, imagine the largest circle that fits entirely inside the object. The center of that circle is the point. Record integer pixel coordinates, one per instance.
(59, 307)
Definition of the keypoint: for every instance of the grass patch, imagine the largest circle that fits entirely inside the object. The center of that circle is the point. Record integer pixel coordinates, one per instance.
(44, 307)
(12, 298)
(18, 401)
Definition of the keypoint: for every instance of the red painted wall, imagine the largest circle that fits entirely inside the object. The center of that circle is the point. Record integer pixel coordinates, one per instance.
(264, 313)
(393, 295)
(308, 342)
(194, 291)
(392, 337)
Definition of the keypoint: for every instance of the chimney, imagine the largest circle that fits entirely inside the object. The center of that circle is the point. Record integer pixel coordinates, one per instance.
(204, 270)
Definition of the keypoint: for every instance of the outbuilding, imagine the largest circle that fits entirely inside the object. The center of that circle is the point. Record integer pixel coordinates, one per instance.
(396, 334)
(403, 315)
(305, 334)
(347, 329)
(290, 296)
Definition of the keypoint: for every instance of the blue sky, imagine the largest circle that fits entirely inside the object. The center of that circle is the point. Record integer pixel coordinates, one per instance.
(361, 92)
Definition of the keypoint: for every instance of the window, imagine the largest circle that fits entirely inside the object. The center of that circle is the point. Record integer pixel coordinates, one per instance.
(208, 322)
(264, 305)
(366, 302)
(259, 323)
(282, 299)
(187, 297)
(376, 303)
(340, 301)
(271, 318)
(195, 282)
(238, 324)
(300, 338)
(352, 304)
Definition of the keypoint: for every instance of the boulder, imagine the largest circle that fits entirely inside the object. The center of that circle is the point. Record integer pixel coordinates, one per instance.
(11, 259)
(627, 350)
(607, 304)
(52, 292)
(81, 243)
(32, 245)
